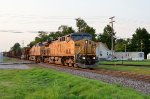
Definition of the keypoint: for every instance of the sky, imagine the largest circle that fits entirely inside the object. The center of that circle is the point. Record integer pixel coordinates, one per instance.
(21, 19)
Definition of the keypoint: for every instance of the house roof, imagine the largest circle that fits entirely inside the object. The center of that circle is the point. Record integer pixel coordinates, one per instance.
(148, 54)
(104, 44)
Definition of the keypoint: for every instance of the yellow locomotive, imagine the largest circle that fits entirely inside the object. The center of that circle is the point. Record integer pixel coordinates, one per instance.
(76, 49)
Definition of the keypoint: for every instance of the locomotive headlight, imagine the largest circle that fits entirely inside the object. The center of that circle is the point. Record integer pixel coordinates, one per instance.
(94, 58)
(86, 41)
(83, 57)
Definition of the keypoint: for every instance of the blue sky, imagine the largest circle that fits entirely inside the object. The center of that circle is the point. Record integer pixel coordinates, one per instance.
(29, 16)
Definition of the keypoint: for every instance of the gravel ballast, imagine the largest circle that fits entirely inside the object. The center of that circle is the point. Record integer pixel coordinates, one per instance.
(143, 87)
(16, 66)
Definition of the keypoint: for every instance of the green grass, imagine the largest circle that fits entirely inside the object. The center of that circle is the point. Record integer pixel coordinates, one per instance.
(132, 69)
(42, 83)
(143, 69)
(144, 62)
(9, 60)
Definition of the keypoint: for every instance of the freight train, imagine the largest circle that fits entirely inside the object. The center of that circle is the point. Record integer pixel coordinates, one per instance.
(75, 49)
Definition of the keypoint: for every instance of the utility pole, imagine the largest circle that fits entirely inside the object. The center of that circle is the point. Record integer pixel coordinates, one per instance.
(112, 35)
(22, 43)
(22, 52)
(141, 45)
(125, 49)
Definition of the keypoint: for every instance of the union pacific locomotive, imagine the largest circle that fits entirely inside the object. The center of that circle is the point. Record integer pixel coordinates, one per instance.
(75, 49)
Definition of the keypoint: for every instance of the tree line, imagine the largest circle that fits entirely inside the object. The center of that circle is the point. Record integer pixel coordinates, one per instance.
(140, 40)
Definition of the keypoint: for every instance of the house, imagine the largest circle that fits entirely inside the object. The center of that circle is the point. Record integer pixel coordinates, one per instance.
(148, 56)
(129, 55)
(102, 51)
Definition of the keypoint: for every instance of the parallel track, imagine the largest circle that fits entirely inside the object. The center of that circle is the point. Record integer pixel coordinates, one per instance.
(135, 65)
(140, 77)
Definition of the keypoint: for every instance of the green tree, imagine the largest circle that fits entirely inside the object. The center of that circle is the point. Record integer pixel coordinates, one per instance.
(54, 35)
(42, 34)
(141, 41)
(17, 49)
(81, 25)
(32, 43)
(120, 45)
(106, 36)
(64, 30)
(42, 37)
(84, 27)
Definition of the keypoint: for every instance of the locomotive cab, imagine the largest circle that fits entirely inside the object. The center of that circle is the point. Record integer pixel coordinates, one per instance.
(85, 50)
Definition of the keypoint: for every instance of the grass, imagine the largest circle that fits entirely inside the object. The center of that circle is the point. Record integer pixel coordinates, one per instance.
(132, 69)
(145, 62)
(42, 83)
(9, 60)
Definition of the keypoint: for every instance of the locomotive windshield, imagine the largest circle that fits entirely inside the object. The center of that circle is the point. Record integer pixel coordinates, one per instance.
(80, 36)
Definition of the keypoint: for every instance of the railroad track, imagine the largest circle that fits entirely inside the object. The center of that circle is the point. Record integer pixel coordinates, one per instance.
(145, 78)
(137, 65)
(134, 76)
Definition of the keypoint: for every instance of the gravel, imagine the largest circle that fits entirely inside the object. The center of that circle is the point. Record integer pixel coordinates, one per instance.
(14, 66)
(143, 87)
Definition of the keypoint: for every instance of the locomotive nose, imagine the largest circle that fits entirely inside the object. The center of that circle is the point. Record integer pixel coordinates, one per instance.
(86, 41)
